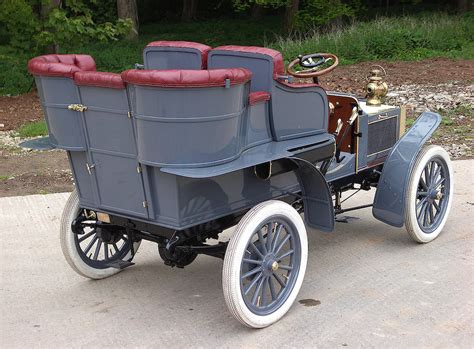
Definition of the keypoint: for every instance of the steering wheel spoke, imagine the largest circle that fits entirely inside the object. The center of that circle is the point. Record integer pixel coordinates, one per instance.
(312, 64)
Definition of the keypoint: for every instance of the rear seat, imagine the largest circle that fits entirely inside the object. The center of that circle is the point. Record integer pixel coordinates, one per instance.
(188, 117)
(175, 55)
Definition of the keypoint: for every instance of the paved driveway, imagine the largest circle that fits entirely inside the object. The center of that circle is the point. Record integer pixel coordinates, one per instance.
(375, 287)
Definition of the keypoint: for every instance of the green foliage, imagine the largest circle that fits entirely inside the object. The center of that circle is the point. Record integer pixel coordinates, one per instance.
(316, 13)
(32, 129)
(18, 24)
(242, 5)
(405, 38)
(74, 24)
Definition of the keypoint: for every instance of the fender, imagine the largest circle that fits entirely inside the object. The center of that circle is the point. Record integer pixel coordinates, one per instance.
(389, 202)
(317, 198)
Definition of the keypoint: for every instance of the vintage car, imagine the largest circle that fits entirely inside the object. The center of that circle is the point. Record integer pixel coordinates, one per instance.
(199, 140)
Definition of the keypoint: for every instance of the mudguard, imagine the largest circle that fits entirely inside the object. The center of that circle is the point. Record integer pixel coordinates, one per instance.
(389, 202)
(42, 143)
(317, 198)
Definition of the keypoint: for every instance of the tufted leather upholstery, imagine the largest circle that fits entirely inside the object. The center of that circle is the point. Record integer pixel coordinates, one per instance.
(60, 65)
(187, 78)
(278, 63)
(99, 79)
(204, 49)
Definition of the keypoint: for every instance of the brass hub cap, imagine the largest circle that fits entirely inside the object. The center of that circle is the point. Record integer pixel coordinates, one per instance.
(275, 266)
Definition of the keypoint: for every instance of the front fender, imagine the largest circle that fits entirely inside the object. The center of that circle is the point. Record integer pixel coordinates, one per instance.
(317, 198)
(389, 202)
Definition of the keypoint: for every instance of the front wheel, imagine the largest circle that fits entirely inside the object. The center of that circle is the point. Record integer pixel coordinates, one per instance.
(265, 263)
(90, 251)
(430, 194)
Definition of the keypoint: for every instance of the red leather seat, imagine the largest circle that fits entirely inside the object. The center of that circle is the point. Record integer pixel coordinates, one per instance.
(99, 79)
(187, 78)
(60, 65)
(203, 49)
(276, 56)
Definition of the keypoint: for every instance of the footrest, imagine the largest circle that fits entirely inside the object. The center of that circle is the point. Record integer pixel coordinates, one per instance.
(119, 264)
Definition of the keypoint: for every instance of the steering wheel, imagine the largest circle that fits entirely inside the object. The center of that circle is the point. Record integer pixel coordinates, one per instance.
(311, 63)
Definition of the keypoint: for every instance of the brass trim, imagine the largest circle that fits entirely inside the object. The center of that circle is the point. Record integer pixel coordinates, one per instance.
(103, 217)
(403, 120)
(77, 107)
(269, 171)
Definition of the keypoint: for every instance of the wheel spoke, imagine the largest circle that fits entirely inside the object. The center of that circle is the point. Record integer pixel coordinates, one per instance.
(252, 261)
(256, 250)
(423, 184)
(438, 183)
(277, 236)
(251, 272)
(283, 242)
(422, 193)
(262, 241)
(420, 204)
(280, 281)
(90, 244)
(97, 250)
(269, 236)
(430, 211)
(285, 267)
(272, 288)
(252, 284)
(286, 254)
(425, 216)
(257, 291)
(115, 247)
(106, 251)
(264, 300)
(83, 237)
(427, 175)
(436, 206)
(436, 173)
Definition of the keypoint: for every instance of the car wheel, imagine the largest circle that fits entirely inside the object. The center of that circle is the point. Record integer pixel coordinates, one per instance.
(91, 252)
(429, 195)
(265, 263)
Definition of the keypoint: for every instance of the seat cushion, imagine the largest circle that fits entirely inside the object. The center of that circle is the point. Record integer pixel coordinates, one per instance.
(276, 56)
(99, 79)
(187, 78)
(60, 65)
(203, 49)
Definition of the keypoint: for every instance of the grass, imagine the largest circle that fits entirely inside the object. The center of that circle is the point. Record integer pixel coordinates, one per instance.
(405, 38)
(4, 178)
(32, 129)
(402, 38)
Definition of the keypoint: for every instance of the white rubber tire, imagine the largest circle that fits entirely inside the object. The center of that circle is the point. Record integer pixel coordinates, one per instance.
(411, 223)
(68, 244)
(235, 252)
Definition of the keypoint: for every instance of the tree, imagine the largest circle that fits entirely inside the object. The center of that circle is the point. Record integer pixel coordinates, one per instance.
(127, 9)
(189, 10)
(291, 11)
(46, 8)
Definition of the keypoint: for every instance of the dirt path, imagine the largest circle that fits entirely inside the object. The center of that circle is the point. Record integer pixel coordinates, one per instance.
(430, 84)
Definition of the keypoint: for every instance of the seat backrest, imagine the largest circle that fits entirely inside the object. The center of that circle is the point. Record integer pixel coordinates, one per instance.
(175, 55)
(188, 117)
(54, 80)
(264, 63)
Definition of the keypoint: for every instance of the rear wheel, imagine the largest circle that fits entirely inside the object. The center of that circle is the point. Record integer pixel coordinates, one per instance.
(265, 263)
(90, 250)
(429, 195)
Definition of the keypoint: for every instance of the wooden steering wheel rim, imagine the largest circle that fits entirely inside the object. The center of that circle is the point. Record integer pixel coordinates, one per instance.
(313, 74)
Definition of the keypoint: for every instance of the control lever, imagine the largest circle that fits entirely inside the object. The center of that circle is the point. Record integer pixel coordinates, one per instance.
(350, 122)
(338, 127)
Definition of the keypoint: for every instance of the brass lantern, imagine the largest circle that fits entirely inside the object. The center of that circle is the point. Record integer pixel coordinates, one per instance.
(376, 88)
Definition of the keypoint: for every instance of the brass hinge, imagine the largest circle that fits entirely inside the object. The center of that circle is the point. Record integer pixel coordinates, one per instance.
(145, 204)
(89, 168)
(77, 107)
(139, 169)
(129, 114)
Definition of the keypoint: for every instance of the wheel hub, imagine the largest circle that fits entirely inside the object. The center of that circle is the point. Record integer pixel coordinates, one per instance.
(270, 264)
